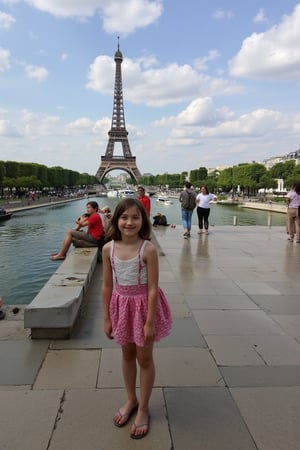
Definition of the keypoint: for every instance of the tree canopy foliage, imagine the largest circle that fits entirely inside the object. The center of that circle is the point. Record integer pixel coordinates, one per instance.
(247, 177)
(20, 175)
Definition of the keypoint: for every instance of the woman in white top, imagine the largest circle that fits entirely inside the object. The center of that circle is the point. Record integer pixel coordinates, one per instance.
(203, 208)
(293, 198)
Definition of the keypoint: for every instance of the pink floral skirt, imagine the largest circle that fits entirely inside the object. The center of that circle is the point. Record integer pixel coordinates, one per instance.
(128, 312)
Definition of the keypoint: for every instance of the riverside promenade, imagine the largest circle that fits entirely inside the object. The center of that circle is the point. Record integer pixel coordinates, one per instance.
(228, 376)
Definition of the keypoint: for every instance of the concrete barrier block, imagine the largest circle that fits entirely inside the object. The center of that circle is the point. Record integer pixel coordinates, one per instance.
(53, 312)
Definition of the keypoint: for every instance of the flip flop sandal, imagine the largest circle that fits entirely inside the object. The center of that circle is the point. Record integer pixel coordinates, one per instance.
(127, 416)
(136, 427)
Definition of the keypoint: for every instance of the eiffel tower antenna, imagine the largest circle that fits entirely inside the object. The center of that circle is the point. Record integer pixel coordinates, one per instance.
(118, 133)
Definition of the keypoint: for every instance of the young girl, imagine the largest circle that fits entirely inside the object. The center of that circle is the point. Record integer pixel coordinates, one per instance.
(136, 312)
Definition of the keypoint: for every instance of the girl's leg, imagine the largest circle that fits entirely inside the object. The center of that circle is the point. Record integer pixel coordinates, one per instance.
(147, 376)
(129, 354)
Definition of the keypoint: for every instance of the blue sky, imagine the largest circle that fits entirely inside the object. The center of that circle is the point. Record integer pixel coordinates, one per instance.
(205, 83)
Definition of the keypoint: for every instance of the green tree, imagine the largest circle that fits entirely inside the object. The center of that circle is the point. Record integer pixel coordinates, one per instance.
(225, 180)
(282, 170)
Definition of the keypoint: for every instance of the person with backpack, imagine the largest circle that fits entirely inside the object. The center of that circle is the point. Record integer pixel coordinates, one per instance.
(203, 208)
(187, 199)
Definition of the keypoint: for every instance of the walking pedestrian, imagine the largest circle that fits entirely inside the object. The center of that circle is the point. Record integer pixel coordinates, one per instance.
(203, 200)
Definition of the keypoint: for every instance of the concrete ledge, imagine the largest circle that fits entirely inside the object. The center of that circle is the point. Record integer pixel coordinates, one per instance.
(52, 313)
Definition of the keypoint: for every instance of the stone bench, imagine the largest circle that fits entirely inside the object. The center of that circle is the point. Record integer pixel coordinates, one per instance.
(53, 312)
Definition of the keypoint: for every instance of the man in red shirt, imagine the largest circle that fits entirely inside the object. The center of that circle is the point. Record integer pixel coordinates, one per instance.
(80, 238)
(144, 199)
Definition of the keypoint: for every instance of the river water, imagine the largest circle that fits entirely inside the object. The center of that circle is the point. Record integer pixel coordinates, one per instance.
(29, 237)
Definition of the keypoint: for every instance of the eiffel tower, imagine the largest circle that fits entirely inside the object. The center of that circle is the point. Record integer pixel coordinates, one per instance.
(118, 133)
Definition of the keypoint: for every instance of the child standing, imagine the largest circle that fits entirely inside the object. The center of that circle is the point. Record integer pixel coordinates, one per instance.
(136, 312)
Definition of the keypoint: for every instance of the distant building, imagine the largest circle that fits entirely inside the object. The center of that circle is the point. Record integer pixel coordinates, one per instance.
(270, 162)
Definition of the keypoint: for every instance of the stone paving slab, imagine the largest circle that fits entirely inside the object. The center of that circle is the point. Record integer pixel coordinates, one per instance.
(27, 418)
(92, 412)
(272, 415)
(13, 330)
(220, 301)
(261, 376)
(186, 367)
(206, 418)
(258, 288)
(233, 323)
(290, 324)
(278, 304)
(20, 361)
(71, 369)
(185, 333)
(252, 350)
(233, 351)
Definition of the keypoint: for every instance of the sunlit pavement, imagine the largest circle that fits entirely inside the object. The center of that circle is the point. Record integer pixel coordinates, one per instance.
(228, 376)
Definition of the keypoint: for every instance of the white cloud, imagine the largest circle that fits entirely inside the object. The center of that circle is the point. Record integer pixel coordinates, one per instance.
(221, 14)
(272, 55)
(201, 63)
(202, 121)
(260, 17)
(38, 125)
(4, 59)
(6, 21)
(64, 56)
(119, 16)
(126, 17)
(156, 86)
(37, 73)
(81, 124)
(8, 130)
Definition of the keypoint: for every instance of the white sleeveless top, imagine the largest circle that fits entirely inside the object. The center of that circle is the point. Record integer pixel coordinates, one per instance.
(130, 272)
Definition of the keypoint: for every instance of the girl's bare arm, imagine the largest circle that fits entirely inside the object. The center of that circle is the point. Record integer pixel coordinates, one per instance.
(107, 287)
(151, 259)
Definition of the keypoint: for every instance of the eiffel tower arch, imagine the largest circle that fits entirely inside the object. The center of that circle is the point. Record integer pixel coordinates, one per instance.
(118, 133)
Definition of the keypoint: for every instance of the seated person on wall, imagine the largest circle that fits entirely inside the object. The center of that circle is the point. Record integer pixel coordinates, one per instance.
(81, 238)
(106, 212)
(160, 219)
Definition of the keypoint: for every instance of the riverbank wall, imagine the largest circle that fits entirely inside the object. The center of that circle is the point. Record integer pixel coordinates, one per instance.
(14, 206)
(268, 206)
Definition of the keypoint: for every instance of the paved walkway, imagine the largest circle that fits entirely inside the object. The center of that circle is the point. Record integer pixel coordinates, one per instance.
(228, 376)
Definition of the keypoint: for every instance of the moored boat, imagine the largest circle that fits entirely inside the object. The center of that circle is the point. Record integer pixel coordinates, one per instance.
(126, 193)
(112, 193)
(5, 216)
(164, 201)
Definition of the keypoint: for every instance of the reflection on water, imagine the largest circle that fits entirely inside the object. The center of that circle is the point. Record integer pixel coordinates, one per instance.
(29, 237)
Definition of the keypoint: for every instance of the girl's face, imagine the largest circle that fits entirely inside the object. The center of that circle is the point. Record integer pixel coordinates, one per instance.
(130, 222)
(203, 190)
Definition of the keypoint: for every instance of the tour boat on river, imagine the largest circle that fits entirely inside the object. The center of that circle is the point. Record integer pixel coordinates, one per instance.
(164, 201)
